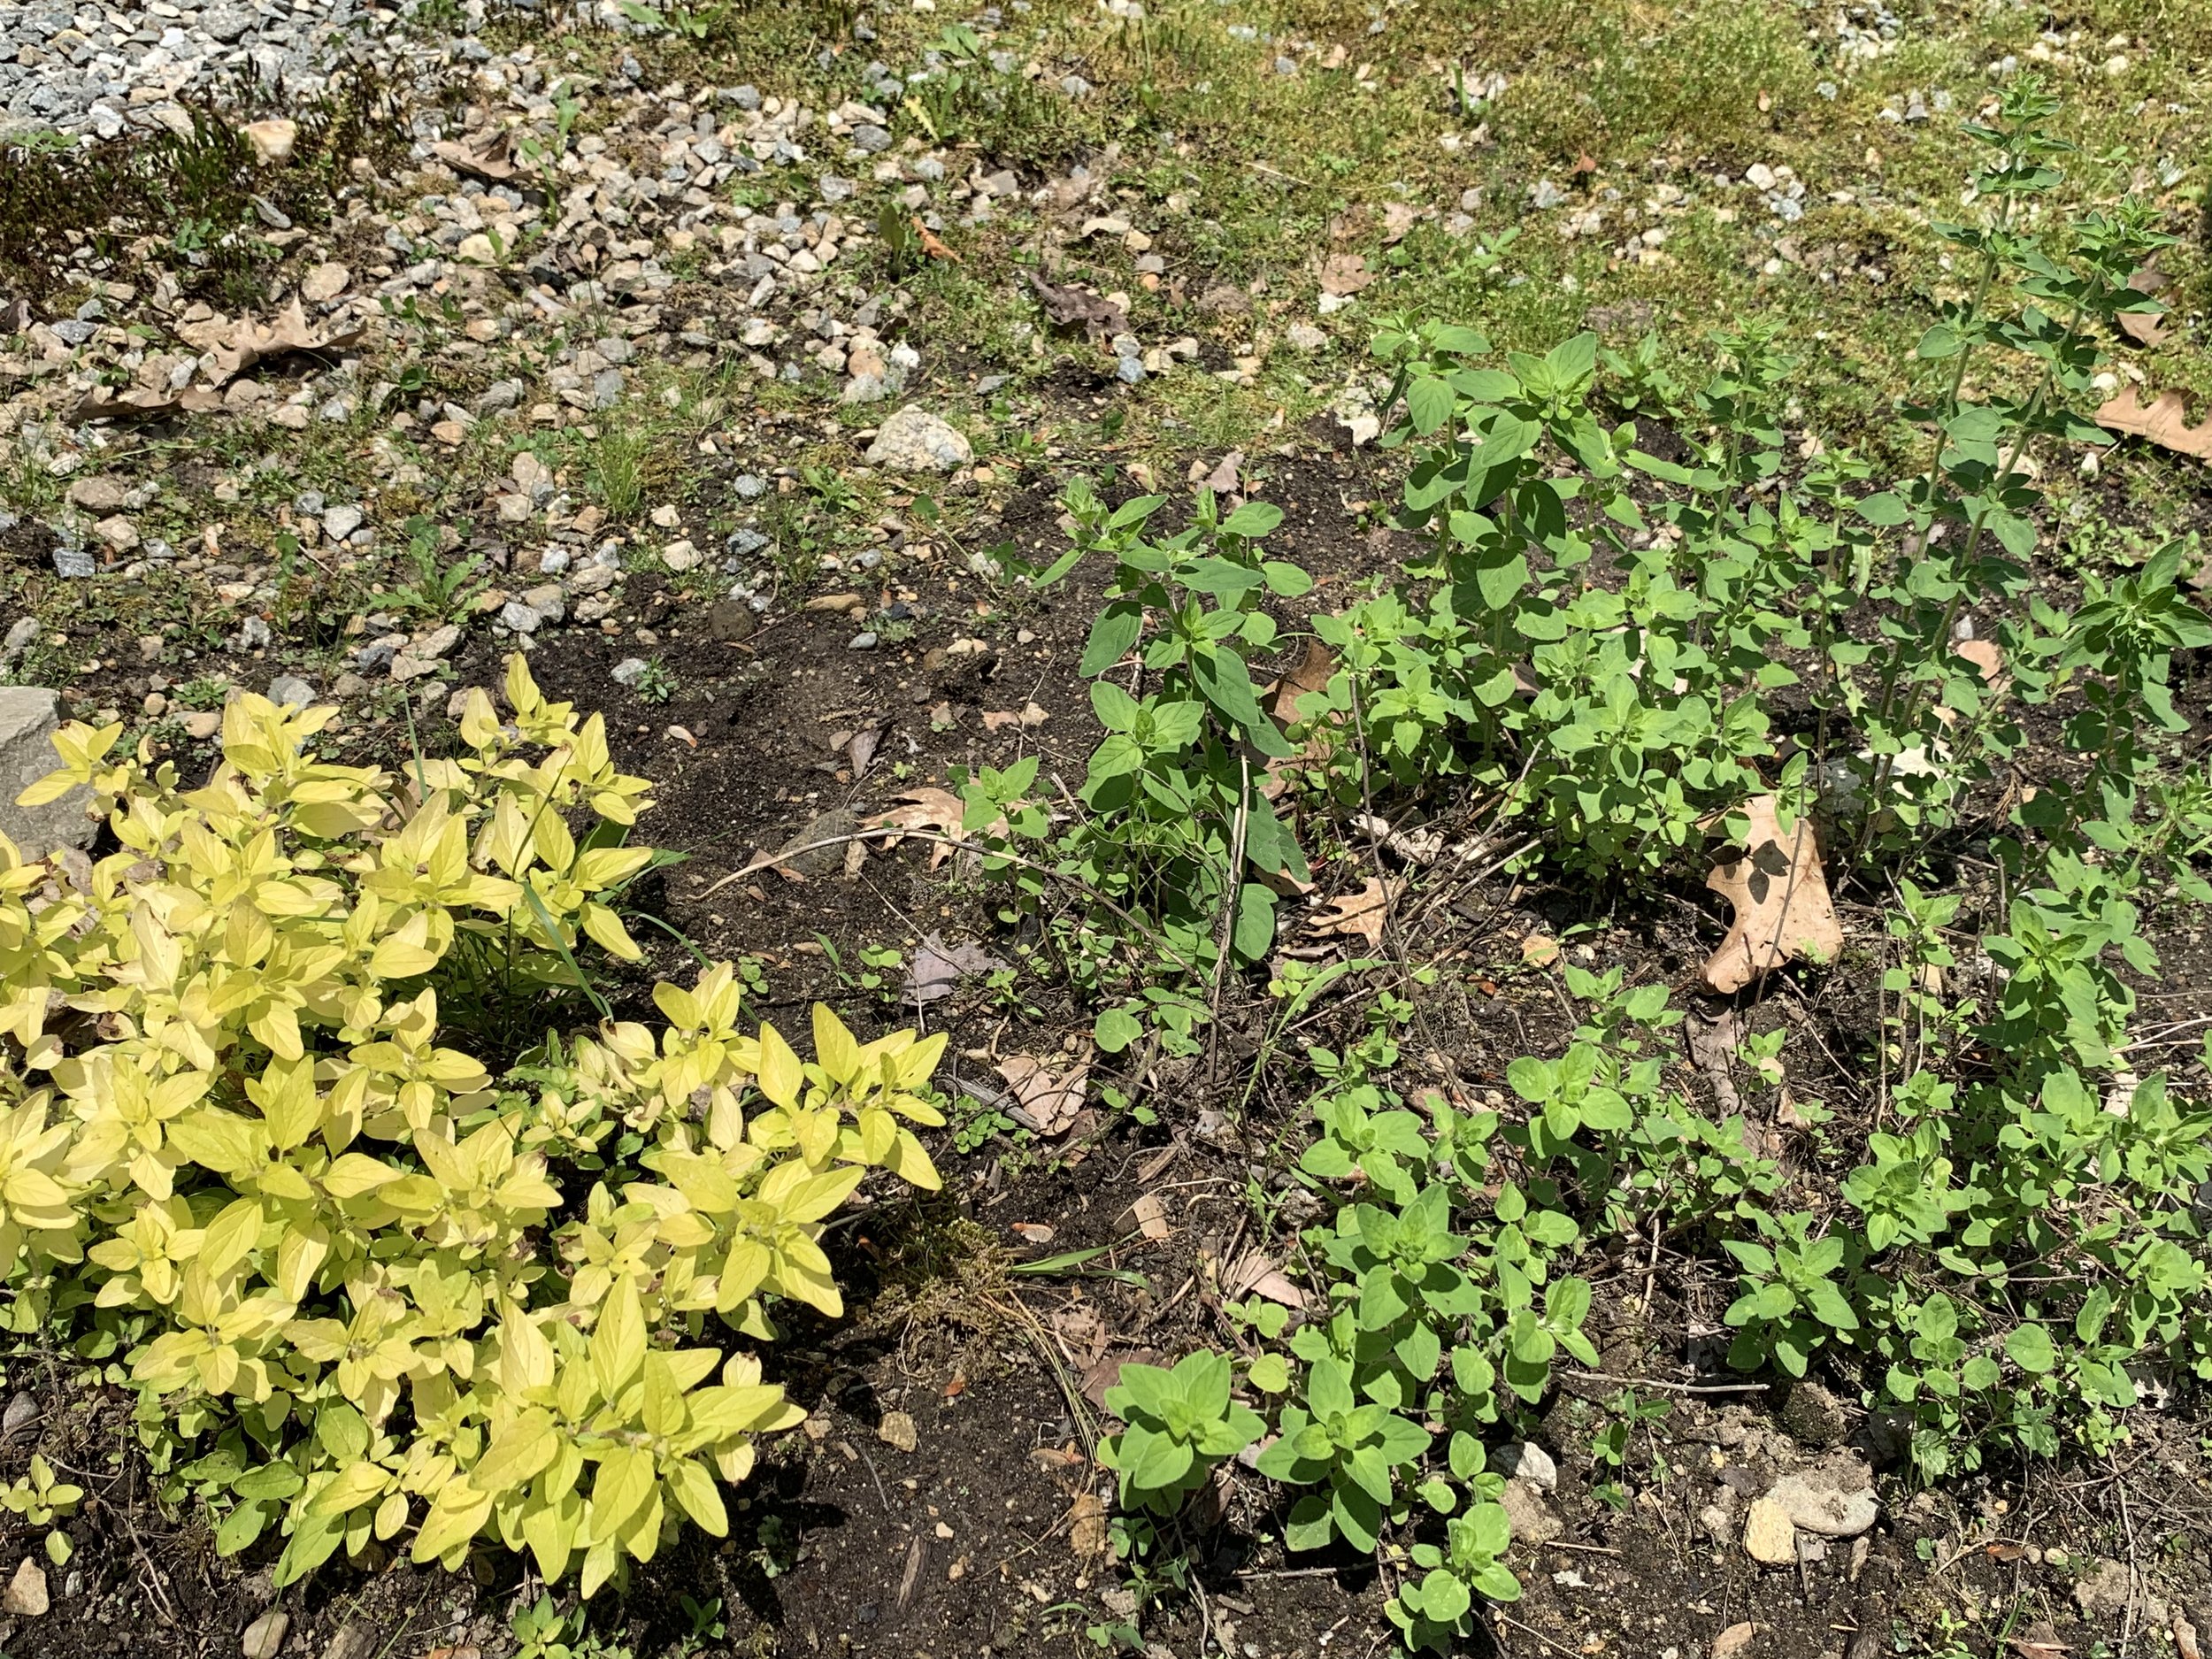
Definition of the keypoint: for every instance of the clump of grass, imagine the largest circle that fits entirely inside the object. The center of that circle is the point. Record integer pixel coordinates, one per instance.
(191, 192)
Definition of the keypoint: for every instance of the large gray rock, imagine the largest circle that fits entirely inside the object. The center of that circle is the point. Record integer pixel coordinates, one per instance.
(914, 441)
(29, 716)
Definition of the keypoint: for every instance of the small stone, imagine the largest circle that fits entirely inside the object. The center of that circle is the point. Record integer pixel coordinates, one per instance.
(326, 281)
(898, 1430)
(1532, 1463)
(26, 1595)
(628, 672)
(348, 684)
(2107, 1590)
(270, 140)
(520, 618)
(265, 1635)
(749, 486)
(21, 1413)
(1769, 1535)
(292, 690)
(864, 641)
(1733, 1640)
(354, 1639)
(99, 494)
(29, 716)
(730, 621)
(202, 724)
(1834, 1499)
(1534, 1521)
(914, 441)
(341, 522)
(74, 562)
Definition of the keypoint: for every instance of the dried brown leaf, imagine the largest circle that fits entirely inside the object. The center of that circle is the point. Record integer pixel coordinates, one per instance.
(1045, 1101)
(144, 404)
(939, 968)
(1312, 672)
(1150, 1217)
(487, 155)
(1258, 1274)
(250, 342)
(928, 808)
(1359, 914)
(2165, 423)
(2147, 329)
(1343, 273)
(1780, 893)
(932, 244)
(2038, 1641)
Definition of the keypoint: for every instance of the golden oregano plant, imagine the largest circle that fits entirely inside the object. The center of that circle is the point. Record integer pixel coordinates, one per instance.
(242, 1154)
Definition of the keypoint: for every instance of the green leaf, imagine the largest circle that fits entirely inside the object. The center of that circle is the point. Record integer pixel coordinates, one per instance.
(1255, 929)
(241, 1527)
(2029, 1347)
(1429, 402)
(1255, 518)
(1112, 636)
(1115, 1029)
(1116, 709)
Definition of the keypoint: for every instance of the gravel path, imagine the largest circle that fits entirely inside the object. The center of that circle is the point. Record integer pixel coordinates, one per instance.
(100, 68)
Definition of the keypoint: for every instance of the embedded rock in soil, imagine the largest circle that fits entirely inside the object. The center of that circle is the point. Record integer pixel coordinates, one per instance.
(354, 1640)
(26, 1595)
(914, 441)
(1534, 1521)
(2110, 1589)
(29, 716)
(731, 620)
(1532, 1463)
(1834, 1498)
(1769, 1534)
(821, 861)
(264, 1637)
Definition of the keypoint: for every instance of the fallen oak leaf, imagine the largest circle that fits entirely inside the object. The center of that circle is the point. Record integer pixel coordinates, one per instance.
(2165, 423)
(1312, 672)
(929, 808)
(143, 404)
(1359, 914)
(1029, 719)
(252, 342)
(1258, 1274)
(1343, 273)
(487, 155)
(1043, 1101)
(2147, 327)
(1780, 896)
